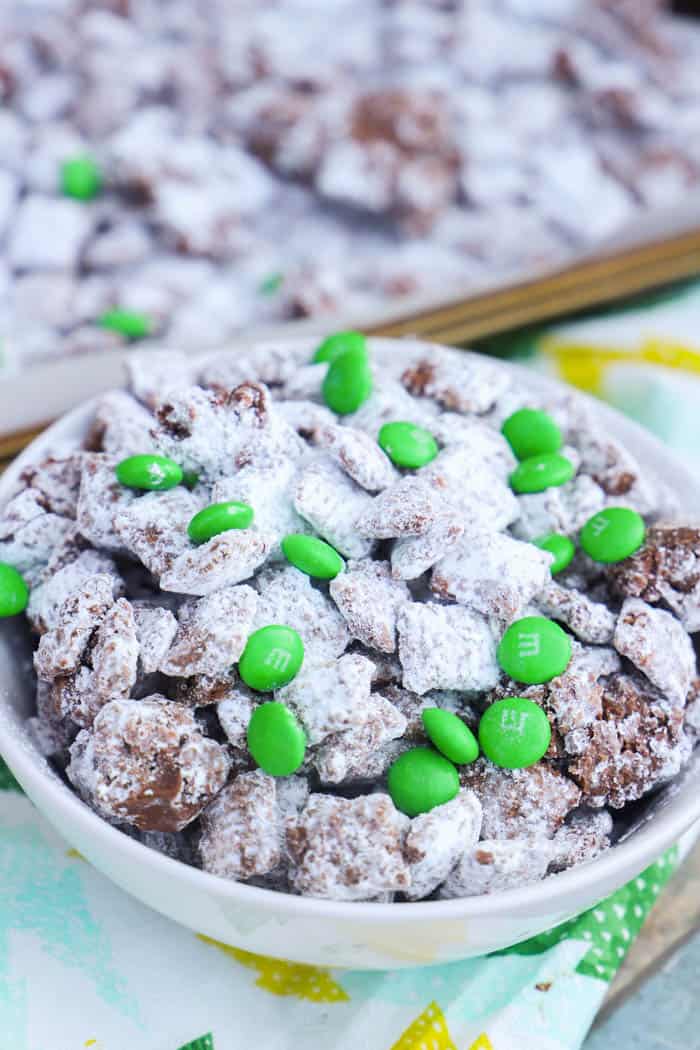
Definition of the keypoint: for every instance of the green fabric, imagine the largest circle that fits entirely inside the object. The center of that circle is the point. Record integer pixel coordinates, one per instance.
(611, 926)
(205, 1042)
(7, 781)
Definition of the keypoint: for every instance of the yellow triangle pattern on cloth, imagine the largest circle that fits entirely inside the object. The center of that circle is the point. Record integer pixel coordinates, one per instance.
(482, 1043)
(286, 978)
(428, 1032)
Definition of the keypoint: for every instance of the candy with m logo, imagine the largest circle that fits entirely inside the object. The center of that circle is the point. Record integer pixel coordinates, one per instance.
(514, 732)
(271, 658)
(534, 649)
(613, 534)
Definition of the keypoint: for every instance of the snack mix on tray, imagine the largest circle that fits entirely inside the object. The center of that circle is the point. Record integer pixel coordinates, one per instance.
(318, 653)
(179, 171)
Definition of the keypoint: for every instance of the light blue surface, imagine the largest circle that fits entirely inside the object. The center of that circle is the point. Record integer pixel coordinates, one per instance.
(663, 1015)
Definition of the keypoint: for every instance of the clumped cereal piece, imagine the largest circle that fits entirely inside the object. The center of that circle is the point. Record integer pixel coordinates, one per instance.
(51, 732)
(666, 569)
(155, 629)
(492, 574)
(445, 647)
(615, 470)
(407, 508)
(411, 707)
(518, 803)
(348, 849)
(359, 754)
(223, 561)
(331, 503)
(494, 865)
(47, 597)
(235, 711)
(369, 600)
(411, 556)
(390, 403)
(359, 456)
(270, 364)
(74, 697)
(101, 500)
(437, 840)
(270, 492)
(57, 482)
(658, 646)
(565, 508)
(212, 633)
(214, 433)
(459, 382)
(287, 596)
(240, 832)
(154, 528)
(121, 426)
(331, 696)
(466, 484)
(116, 652)
(636, 744)
(145, 762)
(583, 838)
(61, 649)
(29, 534)
(305, 416)
(488, 446)
(590, 621)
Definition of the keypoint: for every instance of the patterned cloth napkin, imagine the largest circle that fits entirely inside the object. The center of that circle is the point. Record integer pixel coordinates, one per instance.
(84, 965)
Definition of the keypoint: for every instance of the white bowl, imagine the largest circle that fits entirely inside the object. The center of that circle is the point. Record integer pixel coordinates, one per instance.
(370, 936)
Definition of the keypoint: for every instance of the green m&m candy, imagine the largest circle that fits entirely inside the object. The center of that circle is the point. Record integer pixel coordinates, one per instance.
(271, 658)
(311, 555)
(14, 593)
(149, 471)
(534, 649)
(530, 432)
(348, 382)
(514, 732)
(613, 534)
(561, 547)
(127, 322)
(337, 344)
(276, 740)
(541, 472)
(80, 178)
(450, 735)
(219, 517)
(421, 779)
(407, 445)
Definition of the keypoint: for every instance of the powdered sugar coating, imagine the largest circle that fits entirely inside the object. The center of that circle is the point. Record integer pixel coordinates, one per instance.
(369, 601)
(518, 803)
(223, 561)
(564, 509)
(445, 647)
(411, 556)
(240, 833)
(590, 621)
(331, 503)
(212, 633)
(437, 840)
(46, 598)
(360, 457)
(101, 500)
(456, 384)
(287, 596)
(116, 652)
(155, 629)
(492, 574)
(472, 487)
(145, 762)
(61, 649)
(235, 711)
(359, 753)
(330, 696)
(121, 427)
(495, 864)
(583, 838)
(348, 849)
(657, 644)
(154, 527)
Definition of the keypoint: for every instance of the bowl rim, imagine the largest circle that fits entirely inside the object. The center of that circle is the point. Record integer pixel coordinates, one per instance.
(660, 831)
